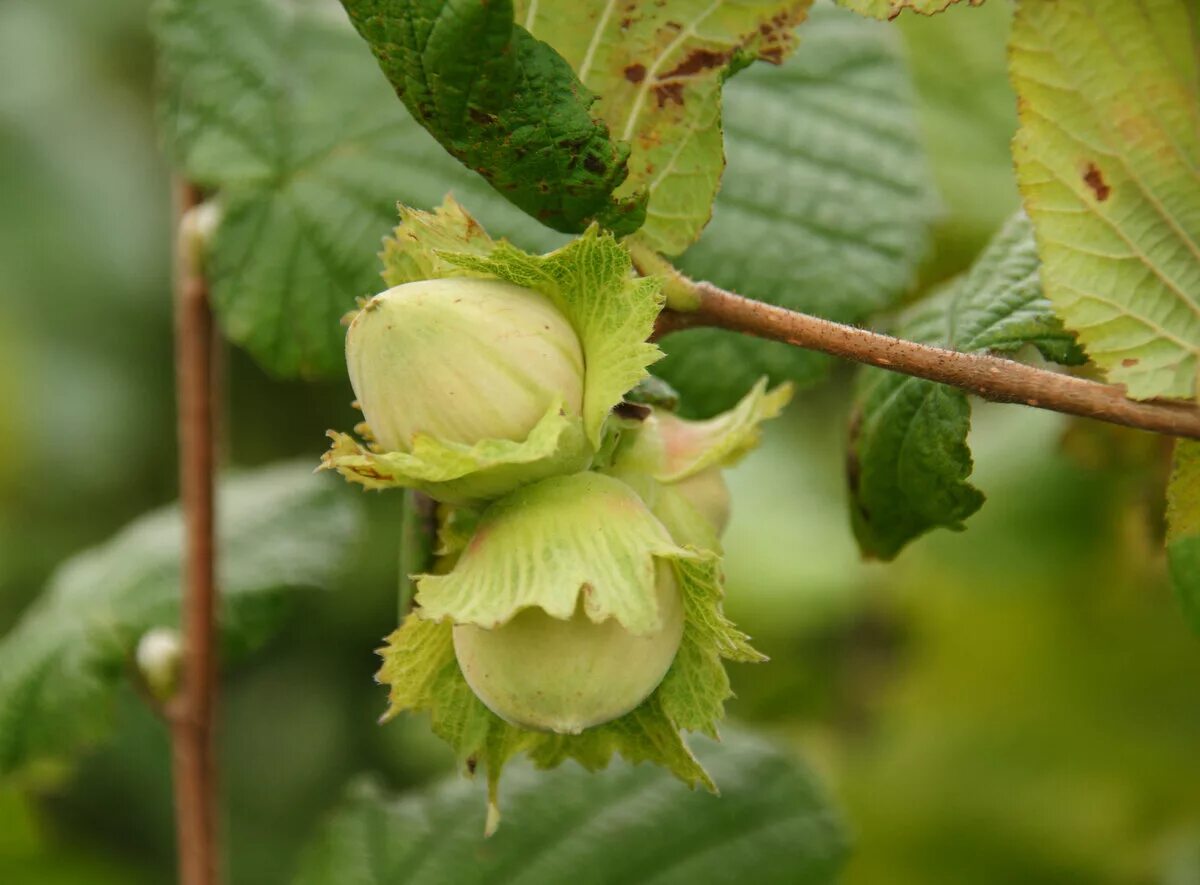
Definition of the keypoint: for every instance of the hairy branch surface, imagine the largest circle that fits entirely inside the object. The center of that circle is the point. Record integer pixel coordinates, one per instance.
(990, 377)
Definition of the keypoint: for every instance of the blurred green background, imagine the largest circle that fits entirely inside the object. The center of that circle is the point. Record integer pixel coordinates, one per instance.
(1016, 703)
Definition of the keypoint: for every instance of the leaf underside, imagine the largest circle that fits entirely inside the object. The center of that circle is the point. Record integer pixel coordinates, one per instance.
(280, 528)
(1108, 163)
(278, 106)
(826, 172)
(908, 461)
(772, 825)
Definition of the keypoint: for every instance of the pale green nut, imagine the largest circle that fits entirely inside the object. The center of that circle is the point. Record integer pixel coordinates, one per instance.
(708, 492)
(462, 360)
(675, 442)
(547, 674)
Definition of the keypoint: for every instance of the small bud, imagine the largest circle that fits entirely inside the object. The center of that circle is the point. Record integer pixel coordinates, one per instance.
(548, 674)
(462, 360)
(159, 656)
(197, 230)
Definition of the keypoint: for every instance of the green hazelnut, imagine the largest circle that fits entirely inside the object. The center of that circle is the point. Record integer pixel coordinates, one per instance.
(548, 674)
(708, 492)
(461, 360)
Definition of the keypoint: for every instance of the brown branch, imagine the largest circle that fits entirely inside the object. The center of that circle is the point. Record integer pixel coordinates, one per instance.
(991, 377)
(191, 712)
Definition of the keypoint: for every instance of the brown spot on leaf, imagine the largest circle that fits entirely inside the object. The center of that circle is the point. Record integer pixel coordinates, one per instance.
(778, 35)
(1129, 362)
(593, 164)
(1095, 180)
(472, 764)
(772, 55)
(697, 60)
(635, 73)
(480, 118)
(665, 92)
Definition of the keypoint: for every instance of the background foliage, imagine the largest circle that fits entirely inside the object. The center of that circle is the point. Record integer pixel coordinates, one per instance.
(1018, 702)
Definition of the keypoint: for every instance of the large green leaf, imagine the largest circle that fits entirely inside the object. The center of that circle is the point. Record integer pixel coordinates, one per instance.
(968, 119)
(658, 69)
(279, 106)
(1108, 162)
(825, 207)
(280, 528)
(1183, 528)
(909, 462)
(891, 8)
(772, 824)
(505, 104)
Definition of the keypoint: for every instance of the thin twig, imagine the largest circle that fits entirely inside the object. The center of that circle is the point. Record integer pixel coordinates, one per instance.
(991, 377)
(192, 711)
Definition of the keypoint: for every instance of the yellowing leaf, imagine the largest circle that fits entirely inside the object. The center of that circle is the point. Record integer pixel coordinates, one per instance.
(658, 69)
(891, 8)
(1108, 162)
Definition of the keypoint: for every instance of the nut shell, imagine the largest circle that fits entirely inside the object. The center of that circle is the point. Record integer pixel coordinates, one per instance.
(548, 674)
(462, 360)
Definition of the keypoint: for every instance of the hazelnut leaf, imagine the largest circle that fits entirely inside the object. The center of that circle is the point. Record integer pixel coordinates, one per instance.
(505, 104)
(826, 170)
(280, 529)
(1106, 157)
(280, 108)
(774, 825)
(908, 459)
(659, 69)
(889, 9)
